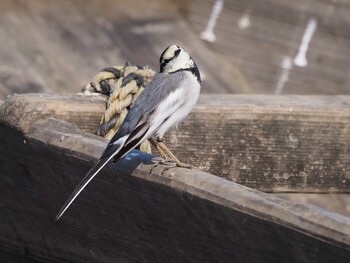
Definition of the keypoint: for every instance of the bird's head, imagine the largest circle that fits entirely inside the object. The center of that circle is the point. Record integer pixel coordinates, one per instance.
(174, 58)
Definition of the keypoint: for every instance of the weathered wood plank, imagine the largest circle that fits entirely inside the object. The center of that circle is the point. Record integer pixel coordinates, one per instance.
(338, 203)
(130, 214)
(22, 110)
(270, 143)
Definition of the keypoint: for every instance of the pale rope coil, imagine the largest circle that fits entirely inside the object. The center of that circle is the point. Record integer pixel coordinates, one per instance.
(123, 85)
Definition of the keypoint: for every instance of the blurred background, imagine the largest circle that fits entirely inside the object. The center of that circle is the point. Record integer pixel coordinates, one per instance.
(241, 46)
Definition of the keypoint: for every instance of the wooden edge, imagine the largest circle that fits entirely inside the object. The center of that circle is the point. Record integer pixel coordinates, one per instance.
(86, 110)
(20, 111)
(322, 224)
(279, 101)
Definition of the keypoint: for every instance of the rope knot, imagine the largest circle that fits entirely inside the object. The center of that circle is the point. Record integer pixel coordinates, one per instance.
(122, 85)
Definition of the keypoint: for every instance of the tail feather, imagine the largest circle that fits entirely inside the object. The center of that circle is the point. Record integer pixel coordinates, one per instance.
(116, 147)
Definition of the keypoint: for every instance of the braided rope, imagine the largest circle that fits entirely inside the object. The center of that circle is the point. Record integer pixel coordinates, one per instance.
(123, 85)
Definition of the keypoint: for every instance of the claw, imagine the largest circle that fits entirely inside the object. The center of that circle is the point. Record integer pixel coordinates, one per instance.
(170, 164)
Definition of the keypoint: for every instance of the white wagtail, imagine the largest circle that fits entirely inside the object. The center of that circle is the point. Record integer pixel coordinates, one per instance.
(164, 103)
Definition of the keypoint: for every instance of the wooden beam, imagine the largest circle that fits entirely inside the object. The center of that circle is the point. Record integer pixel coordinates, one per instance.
(133, 213)
(270, 143)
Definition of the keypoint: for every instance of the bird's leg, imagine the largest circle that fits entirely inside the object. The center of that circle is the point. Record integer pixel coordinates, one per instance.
(167, 151)
(167, 154)
(165, 160)
(156, 145)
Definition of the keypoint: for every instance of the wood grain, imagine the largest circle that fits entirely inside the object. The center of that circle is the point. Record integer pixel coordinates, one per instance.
(270, 143)
(20, 111)
(131, 213)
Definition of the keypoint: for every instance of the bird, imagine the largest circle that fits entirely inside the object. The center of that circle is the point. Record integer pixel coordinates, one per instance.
(164, 103)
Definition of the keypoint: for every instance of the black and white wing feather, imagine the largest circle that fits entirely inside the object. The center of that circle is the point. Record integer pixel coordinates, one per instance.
(141, 122)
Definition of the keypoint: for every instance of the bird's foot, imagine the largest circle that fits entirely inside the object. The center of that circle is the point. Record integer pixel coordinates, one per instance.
(161, 160)
(170, 164)
(185, 165)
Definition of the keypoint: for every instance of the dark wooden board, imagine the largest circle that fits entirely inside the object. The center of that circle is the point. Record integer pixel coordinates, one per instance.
(132, 214)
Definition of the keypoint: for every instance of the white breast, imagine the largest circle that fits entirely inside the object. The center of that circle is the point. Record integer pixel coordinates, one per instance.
(177, 105)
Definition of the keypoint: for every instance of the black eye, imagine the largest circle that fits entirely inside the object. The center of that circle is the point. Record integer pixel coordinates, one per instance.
(177, 52)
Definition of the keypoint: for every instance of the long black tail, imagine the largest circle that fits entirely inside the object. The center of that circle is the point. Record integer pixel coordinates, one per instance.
(113, 150)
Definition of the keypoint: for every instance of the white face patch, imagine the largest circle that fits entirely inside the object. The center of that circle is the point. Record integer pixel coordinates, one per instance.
(170, 52)
(182, 61)
(175, 58)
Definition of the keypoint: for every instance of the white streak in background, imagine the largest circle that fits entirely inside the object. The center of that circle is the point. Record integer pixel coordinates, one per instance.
(286, 66)
(208, 33)
(244, 21)
(300, 59)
